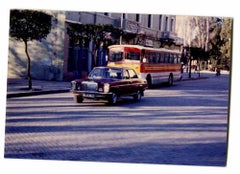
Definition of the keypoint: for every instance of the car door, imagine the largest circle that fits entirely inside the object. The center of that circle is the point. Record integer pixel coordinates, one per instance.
(134, 81)
(121, 85)
(125, 83)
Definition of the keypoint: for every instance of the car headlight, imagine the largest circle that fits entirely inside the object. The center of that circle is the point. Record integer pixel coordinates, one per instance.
(76, 85)
(73, 85)
(106, 88)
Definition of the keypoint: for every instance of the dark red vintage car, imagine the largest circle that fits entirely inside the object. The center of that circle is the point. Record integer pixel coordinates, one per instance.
(109, 83)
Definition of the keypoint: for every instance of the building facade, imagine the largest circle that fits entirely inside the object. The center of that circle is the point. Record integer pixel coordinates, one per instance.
(57, 58)
(47, 56)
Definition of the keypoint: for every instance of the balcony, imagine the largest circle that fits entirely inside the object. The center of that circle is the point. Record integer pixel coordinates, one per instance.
(130, 26)
(167, 35)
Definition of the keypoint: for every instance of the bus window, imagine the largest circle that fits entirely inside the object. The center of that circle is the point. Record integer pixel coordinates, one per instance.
(175, 58)
(147, 57)
(179, 58)
(154, 57)
(166, 60)
(133, 56)
(161, 58)
(171, 58)
(158, 57)
(115, 56)
(150, 58)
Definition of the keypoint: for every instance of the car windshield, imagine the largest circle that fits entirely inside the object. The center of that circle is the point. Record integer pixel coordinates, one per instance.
(106, 73)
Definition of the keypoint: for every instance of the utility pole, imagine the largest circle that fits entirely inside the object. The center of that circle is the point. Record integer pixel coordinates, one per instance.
(121, 26)
(189, 46)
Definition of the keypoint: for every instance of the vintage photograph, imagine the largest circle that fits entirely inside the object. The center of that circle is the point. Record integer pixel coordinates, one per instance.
(118, 87)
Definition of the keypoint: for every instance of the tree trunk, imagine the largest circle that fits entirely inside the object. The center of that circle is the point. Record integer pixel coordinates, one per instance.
(190, 68)
(28, 67)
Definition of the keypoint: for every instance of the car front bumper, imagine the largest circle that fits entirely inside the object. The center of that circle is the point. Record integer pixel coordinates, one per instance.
(93, 95)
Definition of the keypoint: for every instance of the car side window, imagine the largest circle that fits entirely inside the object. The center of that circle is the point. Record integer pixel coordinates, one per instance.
(132, 74)
(119, 75)
(125, 74)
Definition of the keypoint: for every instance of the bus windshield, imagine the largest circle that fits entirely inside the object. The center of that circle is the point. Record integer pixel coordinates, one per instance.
(115, 56)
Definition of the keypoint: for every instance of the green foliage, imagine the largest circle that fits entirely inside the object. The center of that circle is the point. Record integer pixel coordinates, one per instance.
(28, 25)
(220, 43)
(81, 34)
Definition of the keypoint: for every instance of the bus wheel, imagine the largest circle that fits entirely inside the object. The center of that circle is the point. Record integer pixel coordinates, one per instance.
(149, 81)
(170, 80)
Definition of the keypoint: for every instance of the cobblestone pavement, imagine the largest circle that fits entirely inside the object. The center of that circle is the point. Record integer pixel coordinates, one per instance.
(185, 124)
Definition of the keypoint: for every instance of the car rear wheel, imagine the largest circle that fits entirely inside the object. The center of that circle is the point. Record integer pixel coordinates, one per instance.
(113, 99)
(149, 81)
(137, 96)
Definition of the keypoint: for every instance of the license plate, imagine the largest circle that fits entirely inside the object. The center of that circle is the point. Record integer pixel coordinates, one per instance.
(89, 95)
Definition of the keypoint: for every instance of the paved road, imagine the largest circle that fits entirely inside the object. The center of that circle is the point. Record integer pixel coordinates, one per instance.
(184, 124)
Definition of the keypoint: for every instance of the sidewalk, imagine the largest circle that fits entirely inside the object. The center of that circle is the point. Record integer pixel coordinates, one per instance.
(17, 87)
(196, 75)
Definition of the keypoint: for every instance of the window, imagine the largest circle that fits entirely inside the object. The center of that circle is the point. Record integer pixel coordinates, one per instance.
(98, 73)
(160, 22)
(172, 25)
(133, 56)
(150, 58)
(115, 56)
(179, 58)
(132, 74)
(138, 17)
(166, 23)
(149, 21)
(171, 58)
(175, 58)
(125, 74)
(106, 14)
(166, 60)
(158, 57)
(115, 74)
(124, 16)
(162, 58)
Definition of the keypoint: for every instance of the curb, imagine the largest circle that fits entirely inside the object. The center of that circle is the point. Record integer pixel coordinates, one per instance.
(33, 93)
(25, 94)
(196, 78)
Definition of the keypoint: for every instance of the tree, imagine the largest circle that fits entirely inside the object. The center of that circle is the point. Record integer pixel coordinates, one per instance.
(226, 48)
(101, 36)
(29, 25)
(81, 34)
(220, 32)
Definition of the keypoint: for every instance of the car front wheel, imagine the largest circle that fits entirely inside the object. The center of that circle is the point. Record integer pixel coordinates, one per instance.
(137, 96)
(78, 99)
(113, 99)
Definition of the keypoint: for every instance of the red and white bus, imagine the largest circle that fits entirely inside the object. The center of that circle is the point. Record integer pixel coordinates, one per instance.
(156, 65)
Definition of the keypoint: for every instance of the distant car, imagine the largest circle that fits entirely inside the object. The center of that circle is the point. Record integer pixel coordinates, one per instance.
(109, 83)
